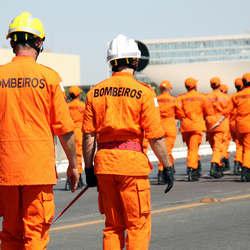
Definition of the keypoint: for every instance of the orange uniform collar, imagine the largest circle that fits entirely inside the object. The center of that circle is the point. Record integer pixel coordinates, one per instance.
(23, 58)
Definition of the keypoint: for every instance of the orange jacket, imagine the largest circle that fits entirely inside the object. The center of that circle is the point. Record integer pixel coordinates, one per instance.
(232, 117)
(220, 104)
(191, 109)
(33, 110)
(167, 106)
(241, 102)
(76, 109)
(119, 109)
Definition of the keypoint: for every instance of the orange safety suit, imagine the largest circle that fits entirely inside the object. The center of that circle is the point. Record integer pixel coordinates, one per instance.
(241, 103)
(217, 136)
(191, 109)
(227, 135)
(167, 105)
(76, 108)
(33, 110)
(121, 110)
(235, 135)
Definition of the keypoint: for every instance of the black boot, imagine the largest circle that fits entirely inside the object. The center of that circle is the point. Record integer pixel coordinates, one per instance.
(245, 174)
(160, 179)
(173, 169)
(237, 168)
(226, 164)
(220, 172)
(193, 174)
(216, 170)
(213, 169)
(199, 168)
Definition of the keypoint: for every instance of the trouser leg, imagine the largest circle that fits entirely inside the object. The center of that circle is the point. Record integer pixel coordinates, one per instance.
(27, 220)
(38, 212)
(135, 194)
(245, 138)
(239, 151)
(217, 147)
(12, 225)
(193, 144)
(126, 207)
(111, 205)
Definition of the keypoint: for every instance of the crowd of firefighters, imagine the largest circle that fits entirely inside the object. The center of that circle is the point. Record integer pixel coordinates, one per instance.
(214, 114)
(217, 114)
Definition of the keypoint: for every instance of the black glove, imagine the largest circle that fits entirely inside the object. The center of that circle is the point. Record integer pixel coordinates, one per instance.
(168, 175)
(90, 177)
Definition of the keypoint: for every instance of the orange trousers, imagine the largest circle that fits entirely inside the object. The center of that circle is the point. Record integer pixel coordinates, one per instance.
(27, 214)
(239, 148)
(244, 139)
(125, 201)
(239, 151)
(193, 141)
(170, 140)
(216, 140)
(78, 140)
(226, 142)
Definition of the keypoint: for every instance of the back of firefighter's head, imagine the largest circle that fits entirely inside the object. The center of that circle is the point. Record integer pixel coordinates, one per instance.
(165, 86)
(123, 53)
(190, 83)
(26, 31)
(238, 83)
(246, 80)
(215, 82)
(224, 88)
(74, 92)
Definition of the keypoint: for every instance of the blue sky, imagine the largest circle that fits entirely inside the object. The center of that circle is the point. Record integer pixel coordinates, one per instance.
(85, 27)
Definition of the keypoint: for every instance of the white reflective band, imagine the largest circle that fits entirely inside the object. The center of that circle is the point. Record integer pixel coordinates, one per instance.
(156, 102)
(125, 55)
(61, 86)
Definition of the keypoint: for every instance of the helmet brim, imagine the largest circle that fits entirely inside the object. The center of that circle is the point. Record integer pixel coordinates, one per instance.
(144, 59)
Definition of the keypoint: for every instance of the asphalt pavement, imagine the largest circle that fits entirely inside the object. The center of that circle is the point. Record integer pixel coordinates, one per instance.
(205, 215)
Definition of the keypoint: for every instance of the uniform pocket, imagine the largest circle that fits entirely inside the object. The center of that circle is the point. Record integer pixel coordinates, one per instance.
(48, 207)
(143, 190)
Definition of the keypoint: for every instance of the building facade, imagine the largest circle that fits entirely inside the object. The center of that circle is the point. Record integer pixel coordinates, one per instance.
(202, 58)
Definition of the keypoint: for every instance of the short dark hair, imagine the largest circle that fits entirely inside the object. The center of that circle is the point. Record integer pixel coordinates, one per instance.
(24, 39)
(214, 86)
(118, 64)
(245, 83)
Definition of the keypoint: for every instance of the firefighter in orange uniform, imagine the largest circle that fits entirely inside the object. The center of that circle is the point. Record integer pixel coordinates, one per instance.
(217, 125)
(191, 109)
(33, 110)
(119, 112)
(227, 136)
(238, 83)
(76, 109)
(241, 102)
(167, 105)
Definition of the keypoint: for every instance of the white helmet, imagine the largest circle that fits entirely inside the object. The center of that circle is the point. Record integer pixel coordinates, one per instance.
(122, 47)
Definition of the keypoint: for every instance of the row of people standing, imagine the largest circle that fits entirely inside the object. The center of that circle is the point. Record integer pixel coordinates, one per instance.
(217, 114)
